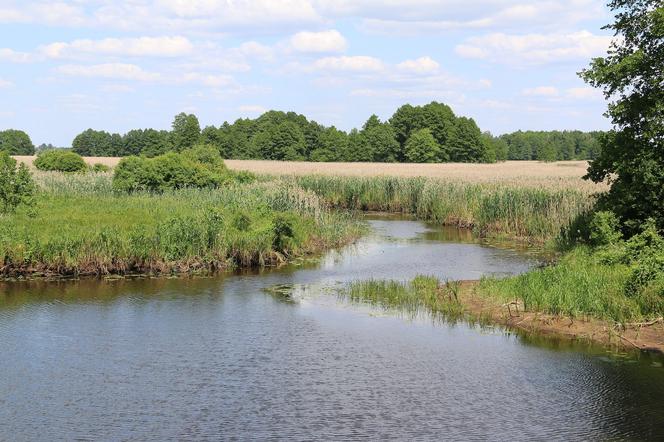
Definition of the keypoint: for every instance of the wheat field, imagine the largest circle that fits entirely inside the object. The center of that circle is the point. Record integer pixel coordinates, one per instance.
(561, 174)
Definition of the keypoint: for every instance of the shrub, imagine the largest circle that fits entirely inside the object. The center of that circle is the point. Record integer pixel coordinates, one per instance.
(286, 233)
(60, 160)
(98, 168)
(16, 184)
(604, 229)
(199, 167)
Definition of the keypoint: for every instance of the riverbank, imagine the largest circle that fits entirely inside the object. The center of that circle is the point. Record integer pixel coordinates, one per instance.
(472, 301)
(80, 227)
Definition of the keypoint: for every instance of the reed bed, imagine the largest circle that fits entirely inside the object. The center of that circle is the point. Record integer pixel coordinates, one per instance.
(491, 209)
(81, 227)
(422, 294)
(577, 286)
(555, 175)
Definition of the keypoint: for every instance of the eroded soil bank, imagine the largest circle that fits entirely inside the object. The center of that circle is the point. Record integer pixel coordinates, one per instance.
(647, 336)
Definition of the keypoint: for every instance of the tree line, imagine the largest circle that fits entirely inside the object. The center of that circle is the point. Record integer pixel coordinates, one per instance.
(431, 133)
(552, 145)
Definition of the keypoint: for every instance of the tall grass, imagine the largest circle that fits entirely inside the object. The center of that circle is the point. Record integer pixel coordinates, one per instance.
(423, 293)
(578, 285)
(492, 209)
(82, 227)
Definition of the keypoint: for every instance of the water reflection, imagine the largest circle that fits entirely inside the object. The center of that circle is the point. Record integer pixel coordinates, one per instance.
(221, 358)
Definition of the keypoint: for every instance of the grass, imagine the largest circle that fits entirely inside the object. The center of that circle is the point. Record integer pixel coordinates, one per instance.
(578, 285)
(491, 209)
(423, 293)
(81, 227)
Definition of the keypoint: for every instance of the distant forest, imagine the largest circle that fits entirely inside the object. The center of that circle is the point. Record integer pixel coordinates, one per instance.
(415, 134)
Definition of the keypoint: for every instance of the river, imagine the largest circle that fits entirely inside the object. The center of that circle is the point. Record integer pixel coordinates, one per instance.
(221, 358)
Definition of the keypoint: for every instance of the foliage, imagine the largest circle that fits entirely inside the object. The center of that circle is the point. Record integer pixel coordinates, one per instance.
(83, 227)
(60, 160)
(552, 145)
(199, 167)
(99, 168)
(279, 135)
(186, 131)
(16, 142)
(422, 147)
(423, 292)
(604, 229)
(632, 155)
(16, 184)
(617, 279)
(491, 209)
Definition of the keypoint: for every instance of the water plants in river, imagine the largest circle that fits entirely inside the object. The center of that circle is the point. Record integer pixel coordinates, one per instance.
(426, 293)
(615, 279)
(492, 209)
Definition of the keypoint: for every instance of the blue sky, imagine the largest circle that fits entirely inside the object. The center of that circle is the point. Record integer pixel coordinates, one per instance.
(123, 64)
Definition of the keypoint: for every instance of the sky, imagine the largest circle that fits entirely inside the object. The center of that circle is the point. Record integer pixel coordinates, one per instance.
(117, 65)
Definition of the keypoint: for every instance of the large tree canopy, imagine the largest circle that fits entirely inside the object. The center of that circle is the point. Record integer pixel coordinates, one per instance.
(16, 142)
(289, 135)
(632, 78)
(186, 131)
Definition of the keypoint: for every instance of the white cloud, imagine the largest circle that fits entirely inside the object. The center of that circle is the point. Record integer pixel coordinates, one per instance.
(422, 65)
(432, 16)
(210, 80)
(12, 56)
(358, 63)
(534, 48)
(121, 71)
(256, 50)
(135, 47)
(584, 93)
(541, 91)
(5, 83)
(324, 41)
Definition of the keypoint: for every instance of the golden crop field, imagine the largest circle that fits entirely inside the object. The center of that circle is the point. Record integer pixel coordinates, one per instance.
(564, 174)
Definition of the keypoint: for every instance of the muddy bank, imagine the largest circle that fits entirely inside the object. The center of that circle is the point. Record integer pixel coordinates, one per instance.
(647, 336)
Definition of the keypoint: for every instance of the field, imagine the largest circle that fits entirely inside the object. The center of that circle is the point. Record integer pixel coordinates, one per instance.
(562, 174)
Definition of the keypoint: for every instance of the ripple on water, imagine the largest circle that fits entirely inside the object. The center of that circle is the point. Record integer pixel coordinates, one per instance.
(219, 358)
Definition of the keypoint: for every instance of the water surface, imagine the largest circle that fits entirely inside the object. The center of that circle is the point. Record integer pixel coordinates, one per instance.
(219, 358)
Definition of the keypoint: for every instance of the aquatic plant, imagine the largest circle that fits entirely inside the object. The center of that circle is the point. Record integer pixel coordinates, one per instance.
(83, 227)
(494, 209)
(423, 293)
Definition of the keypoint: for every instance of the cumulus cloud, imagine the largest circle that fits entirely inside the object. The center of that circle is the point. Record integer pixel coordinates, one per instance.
(584, 93)
(534, 48)
(5, 83)
(422, 65)
(120, 71)
(357, 63)
(541, 91)
(324, 41)
(256, 50)
(133, 47)
(12, 56)
(210, 80)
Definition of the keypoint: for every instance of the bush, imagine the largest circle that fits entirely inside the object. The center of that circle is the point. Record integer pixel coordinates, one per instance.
(99, 168)
(199, 167)
(604, 229)
(60, 160)
(16, 184)
(286, 233)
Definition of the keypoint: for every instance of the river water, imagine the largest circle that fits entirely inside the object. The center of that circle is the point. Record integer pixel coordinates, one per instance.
(222, 358)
